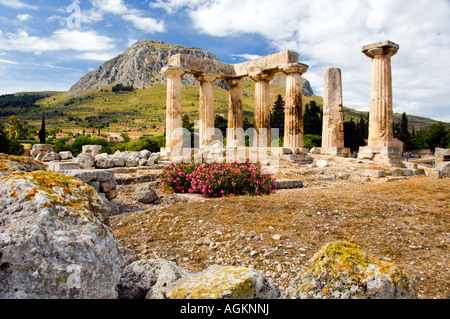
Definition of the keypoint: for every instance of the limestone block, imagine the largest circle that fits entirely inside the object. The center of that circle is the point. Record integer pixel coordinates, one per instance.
(51, 156)
(373, 173)
(62, 166)
(287, 184)
(40, 148)
(86, 160)
(65, 155)
(119, 161)
(104, 162)
(46, 252)
(223, 282)
(340, 270)
(93, 149)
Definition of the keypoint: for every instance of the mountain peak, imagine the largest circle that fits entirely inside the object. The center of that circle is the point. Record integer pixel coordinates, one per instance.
(140, 66)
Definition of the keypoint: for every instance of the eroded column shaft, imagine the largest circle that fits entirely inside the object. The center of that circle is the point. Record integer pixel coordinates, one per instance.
(174, 135)
(333, 116)
(293, 125)
(262, 136)
(206, 110)
(235, 130)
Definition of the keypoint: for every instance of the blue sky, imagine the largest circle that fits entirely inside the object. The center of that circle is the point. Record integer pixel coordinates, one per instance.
(49, 44)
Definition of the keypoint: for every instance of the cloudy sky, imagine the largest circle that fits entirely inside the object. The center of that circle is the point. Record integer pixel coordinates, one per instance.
(49, 44)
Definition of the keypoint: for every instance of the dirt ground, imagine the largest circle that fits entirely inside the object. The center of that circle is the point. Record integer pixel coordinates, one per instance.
(402, 220)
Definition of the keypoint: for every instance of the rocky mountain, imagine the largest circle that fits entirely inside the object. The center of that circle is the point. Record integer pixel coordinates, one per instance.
(141, 65)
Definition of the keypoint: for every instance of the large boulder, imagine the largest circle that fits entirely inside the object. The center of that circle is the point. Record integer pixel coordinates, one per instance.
(145, 278)
(222, 282)
(340, 270)
(55, 241)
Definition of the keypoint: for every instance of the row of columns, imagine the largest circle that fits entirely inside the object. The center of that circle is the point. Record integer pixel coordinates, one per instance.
(380, 118)
(293, 137)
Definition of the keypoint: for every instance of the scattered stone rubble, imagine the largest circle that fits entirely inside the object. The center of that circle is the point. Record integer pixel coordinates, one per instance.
(56, 242)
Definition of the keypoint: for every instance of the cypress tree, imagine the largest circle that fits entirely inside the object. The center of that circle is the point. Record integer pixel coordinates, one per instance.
(277, 116)
(42, 138)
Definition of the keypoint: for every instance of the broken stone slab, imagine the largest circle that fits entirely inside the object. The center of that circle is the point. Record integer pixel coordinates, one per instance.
(36, 149)
(51, 156)
(88, 175)
(373, 173)
(287, 184)
(66, 155)
(62, 166)
(93, 149)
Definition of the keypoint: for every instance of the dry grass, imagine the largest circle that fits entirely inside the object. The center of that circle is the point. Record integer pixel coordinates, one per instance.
(406, 222)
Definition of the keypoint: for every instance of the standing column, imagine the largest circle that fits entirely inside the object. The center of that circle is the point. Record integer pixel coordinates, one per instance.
(381, 120)
(206, 110)
(174, 136)
(293, 124)
(262, 137)
(380, 147)
(333, 115)
(235, 130)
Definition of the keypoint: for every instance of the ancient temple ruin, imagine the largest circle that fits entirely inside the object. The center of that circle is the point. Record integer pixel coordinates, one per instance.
(262, 71)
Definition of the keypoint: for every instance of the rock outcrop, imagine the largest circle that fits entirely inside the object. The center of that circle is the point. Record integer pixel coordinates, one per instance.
(139, 66)
(340, 270)
(55, 241)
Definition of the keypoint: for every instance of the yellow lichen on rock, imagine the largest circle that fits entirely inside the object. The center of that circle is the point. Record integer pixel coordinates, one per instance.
(11, 164)
(342, 270)
(222, 282)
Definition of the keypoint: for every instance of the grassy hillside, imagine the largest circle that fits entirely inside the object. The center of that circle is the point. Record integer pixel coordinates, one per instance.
(143, 110)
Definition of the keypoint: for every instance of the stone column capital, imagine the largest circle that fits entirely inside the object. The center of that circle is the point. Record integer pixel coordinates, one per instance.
(205, 77)
(233, 82)
(265, 76)
(294, 68)
(385, 48)
(171, 70)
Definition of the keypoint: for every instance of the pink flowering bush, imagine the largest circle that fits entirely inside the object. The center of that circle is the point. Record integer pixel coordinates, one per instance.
(218, 179)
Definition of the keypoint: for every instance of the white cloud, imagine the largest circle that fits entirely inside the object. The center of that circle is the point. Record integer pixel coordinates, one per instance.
(96, 56)
(111, 6)
(330, 33)
(246, 56)
(62, 39)
(148, 25)
(17, 4)
(24, 17)
(5, 61)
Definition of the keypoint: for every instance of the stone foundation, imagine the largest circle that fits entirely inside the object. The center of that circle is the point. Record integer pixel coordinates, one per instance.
(390, 156)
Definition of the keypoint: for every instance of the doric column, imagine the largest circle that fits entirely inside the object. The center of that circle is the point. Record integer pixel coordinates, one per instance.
(262, 137)
(206, 110)
(235, 130)
(293, 123)
(174, 136)
(333, 116)
(381, 120)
